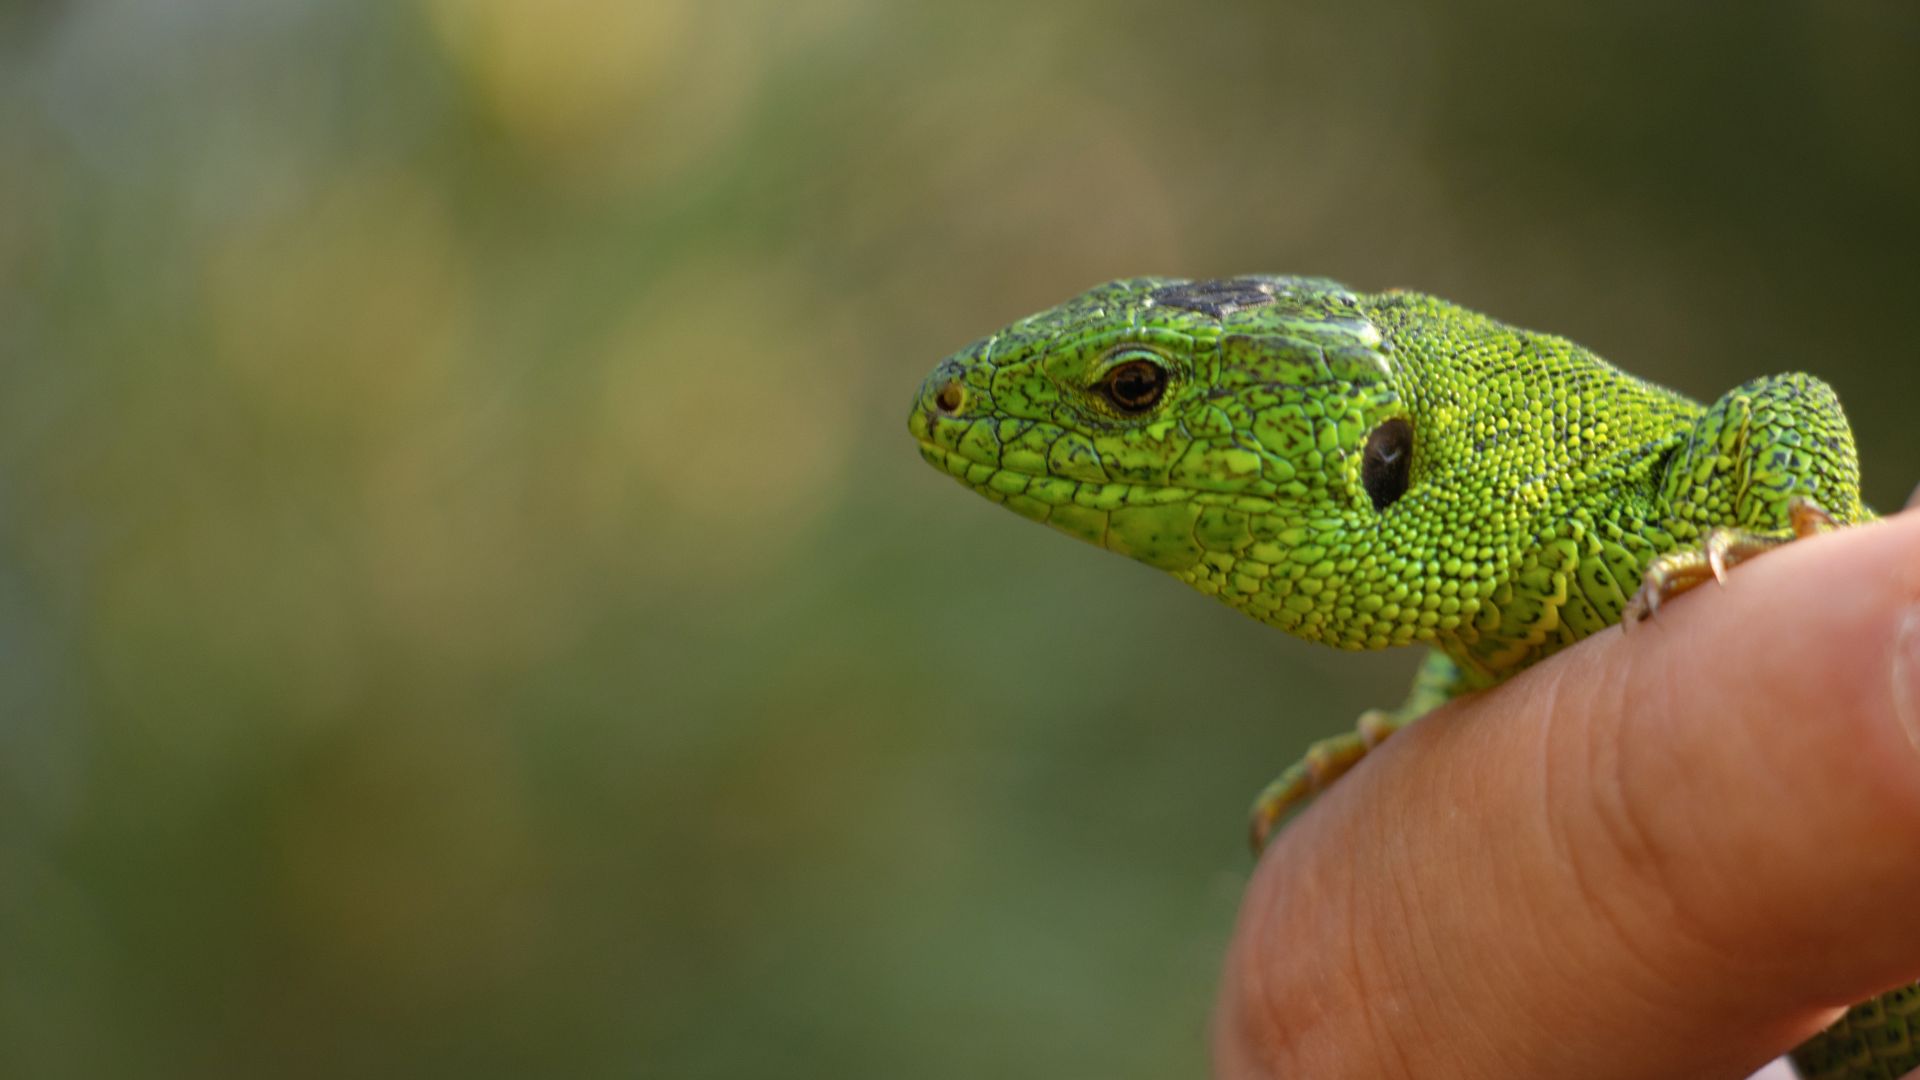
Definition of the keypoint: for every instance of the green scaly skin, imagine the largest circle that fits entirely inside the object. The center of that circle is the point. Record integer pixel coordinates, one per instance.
(1367, 470)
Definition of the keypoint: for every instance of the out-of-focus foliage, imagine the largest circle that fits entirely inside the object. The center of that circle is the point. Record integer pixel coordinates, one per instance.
(468, 605)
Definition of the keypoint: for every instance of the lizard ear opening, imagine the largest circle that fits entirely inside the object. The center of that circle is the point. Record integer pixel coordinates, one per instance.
(1387, 462)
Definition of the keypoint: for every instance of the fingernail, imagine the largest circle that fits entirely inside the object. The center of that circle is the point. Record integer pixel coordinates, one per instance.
(1913, 500)
(1906, 675)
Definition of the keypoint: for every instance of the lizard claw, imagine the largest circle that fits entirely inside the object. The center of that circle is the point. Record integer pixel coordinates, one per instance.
(1719, 541)
(1640, 608)
(1723, 549)
(1809, 518)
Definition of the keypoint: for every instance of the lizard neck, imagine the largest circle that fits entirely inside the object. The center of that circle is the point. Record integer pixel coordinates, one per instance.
(1532, 510)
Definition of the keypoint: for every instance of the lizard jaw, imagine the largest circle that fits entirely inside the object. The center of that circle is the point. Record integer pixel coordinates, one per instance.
(1155, 524)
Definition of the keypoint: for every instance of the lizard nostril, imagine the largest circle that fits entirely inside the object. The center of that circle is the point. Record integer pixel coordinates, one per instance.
(950, 398)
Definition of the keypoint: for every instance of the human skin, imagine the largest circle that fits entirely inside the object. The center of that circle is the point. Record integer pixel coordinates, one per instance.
(1673, 851)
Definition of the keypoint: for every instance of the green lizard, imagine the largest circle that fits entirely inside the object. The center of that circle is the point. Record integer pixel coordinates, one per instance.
(1369, 470)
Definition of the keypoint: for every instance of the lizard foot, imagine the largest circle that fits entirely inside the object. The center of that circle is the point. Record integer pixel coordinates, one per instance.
(1325, 761)
(1676, 572)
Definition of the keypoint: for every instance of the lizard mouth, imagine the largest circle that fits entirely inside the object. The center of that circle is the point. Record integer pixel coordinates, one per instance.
(1159, 524)
(1016, 488)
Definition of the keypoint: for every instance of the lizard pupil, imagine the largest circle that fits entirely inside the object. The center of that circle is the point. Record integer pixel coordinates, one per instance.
(1387, 463)
(1135, 386)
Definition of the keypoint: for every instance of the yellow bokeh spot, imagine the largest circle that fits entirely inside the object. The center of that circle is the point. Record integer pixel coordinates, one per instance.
(559, 70)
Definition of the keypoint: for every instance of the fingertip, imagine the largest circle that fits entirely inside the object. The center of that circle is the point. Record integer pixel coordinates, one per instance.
(1769, 755)
(1666, 853)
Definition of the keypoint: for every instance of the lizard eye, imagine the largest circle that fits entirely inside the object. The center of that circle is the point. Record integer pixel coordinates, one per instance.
(1135, 386)
(1387, 462)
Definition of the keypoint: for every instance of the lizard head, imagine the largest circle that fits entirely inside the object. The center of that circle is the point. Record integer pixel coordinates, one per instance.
(1169, 420)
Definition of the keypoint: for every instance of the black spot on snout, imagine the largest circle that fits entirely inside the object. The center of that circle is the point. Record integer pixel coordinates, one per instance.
(1217, 298)
(1387, 463)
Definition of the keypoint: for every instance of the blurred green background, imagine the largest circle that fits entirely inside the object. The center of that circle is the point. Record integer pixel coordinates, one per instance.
(469, 605)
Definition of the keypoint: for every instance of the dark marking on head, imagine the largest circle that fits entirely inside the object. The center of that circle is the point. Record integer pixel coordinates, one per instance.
(1218, 298)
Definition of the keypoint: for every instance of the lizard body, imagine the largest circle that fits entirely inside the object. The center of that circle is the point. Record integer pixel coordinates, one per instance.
(1368, 470)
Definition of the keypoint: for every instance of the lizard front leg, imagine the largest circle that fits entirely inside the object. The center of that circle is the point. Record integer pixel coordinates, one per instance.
(1676, 572)
(1438, 681)
(1770, 462)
